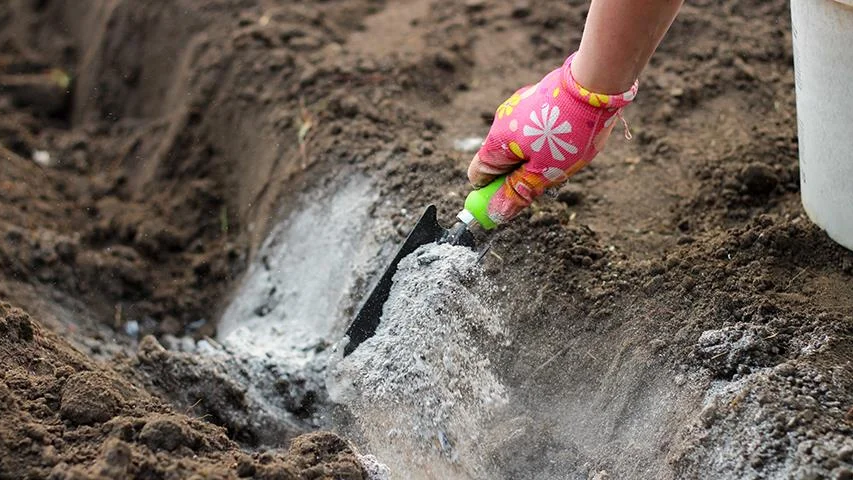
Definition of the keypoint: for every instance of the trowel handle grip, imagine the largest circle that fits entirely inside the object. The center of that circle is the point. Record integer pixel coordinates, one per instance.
(477, 203)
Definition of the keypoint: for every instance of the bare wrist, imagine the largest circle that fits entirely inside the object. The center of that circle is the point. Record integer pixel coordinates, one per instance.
(596, 77)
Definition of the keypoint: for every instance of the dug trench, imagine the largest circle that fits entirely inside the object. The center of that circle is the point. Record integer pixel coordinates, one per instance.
(195, 196)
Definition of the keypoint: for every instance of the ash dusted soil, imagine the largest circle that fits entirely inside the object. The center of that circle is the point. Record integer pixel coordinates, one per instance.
(673, 312)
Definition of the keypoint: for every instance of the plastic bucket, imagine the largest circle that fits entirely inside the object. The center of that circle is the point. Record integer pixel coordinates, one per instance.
(823, 66)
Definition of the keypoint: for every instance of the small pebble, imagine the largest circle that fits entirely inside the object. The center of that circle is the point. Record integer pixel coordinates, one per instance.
(42, 157)
(468, 144)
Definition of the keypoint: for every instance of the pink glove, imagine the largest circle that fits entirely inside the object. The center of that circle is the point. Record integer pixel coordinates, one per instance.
(552, 129)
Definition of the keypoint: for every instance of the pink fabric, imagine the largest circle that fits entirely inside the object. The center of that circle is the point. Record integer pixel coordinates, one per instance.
(553, 129)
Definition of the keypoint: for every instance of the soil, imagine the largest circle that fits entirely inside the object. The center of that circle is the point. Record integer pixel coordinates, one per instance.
(65, 416)
(672, 312)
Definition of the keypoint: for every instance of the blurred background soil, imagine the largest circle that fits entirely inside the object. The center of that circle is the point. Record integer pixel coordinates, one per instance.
(673, 300)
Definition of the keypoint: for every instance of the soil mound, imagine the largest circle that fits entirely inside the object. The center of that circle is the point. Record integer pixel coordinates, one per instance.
(64, 416)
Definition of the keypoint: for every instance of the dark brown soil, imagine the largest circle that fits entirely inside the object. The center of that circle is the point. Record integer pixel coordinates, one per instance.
(64, 416)
(180, 132)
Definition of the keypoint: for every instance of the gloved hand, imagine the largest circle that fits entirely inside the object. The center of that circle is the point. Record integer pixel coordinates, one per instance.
(543, 134)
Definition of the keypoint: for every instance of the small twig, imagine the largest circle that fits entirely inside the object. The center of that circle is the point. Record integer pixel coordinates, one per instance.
(305, 125)
(223, 219)
(719, 355)
(117, 316)
(546, 363)
(794, 278)
(187, 411)
(213, 342)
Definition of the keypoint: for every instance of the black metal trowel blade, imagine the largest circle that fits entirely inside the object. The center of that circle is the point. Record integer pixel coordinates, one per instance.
(427, 230)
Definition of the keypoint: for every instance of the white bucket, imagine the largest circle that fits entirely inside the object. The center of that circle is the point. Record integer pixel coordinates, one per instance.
(823, 65)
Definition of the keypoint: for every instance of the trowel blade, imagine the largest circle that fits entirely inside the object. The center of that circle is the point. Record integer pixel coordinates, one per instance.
(427, 230)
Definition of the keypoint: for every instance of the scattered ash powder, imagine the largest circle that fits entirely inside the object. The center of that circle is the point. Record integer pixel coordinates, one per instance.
(421, 385)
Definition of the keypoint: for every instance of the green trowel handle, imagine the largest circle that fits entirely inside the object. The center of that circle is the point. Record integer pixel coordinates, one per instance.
(477, 202)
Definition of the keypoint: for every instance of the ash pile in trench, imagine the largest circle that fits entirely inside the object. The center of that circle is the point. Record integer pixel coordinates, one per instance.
(421, 388)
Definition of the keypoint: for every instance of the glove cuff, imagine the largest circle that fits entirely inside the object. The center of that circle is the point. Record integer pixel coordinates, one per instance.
(611, 102)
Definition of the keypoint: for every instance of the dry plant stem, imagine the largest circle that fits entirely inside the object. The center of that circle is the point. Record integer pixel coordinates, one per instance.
(619, 38)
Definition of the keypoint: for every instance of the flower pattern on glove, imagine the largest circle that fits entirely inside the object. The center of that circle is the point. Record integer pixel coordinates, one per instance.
(545, 130)
(509, 104)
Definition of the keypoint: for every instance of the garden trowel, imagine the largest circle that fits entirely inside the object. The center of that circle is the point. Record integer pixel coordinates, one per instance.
(427, 230)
